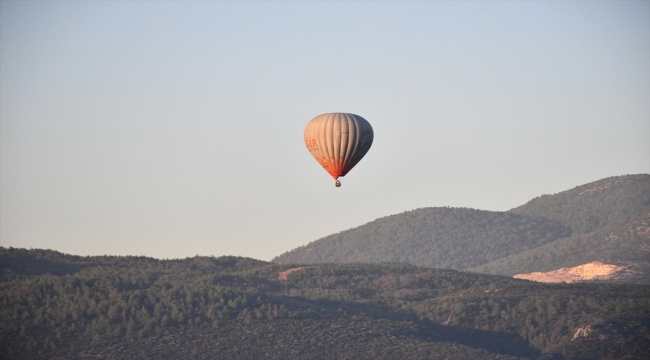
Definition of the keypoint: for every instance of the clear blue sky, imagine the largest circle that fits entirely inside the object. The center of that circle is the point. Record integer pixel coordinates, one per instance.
(171, 129)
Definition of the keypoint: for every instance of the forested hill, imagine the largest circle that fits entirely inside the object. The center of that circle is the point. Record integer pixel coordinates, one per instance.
(611, 201)
(625, 245)
(437, 237)
(57, 306)
(469, 239)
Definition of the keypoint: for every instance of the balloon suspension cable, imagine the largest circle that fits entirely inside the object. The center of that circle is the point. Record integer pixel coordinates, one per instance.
(337, 183)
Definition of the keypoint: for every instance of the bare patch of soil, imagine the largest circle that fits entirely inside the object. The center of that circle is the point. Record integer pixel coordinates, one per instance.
(590, 271)
(284, 274)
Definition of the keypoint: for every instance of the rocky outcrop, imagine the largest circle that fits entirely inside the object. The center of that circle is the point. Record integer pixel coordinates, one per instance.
(582, 332)
(590, 271)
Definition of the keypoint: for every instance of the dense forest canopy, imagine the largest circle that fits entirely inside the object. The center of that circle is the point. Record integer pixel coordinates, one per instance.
(627, 244)
(586, 208)
(71, 307)
(437, 237)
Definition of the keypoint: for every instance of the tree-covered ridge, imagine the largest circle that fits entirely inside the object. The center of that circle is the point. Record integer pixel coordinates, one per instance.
(564, 229)
(454, 238)
(626, 245)
(229, 307)
(498, 306)
(39, 262)
(586, 208)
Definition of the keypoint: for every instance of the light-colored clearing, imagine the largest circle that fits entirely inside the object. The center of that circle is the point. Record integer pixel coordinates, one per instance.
(283, 275)
(582, 332)
(590, 271)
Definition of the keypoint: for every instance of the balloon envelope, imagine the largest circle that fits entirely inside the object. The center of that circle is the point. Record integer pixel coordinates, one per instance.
(338, 141)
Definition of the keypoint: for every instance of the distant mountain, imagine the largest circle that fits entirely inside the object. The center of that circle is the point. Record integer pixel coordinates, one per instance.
(57, 306)
(611, 201)
(601, 221)
(436, 237)
(625, 245)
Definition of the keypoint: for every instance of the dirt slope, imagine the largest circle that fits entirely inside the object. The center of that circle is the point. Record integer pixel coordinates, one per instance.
(590, 271)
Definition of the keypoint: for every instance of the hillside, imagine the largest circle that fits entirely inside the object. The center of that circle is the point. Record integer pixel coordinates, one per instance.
(69, 307)
(600, 221)
(437, 237)
(586, 208)
(626, 245)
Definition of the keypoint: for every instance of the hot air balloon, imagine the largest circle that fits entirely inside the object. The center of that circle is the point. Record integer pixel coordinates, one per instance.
(338, 141)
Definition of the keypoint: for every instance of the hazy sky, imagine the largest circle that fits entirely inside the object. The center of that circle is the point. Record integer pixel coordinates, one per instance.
(171, 129)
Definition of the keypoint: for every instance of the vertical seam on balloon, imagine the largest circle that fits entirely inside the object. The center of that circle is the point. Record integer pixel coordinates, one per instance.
(342, 148)
(337, 141)
(361, 152)
(322, 131)
(355, 156)
(336, 144)
(349, 144)
(330, 145)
